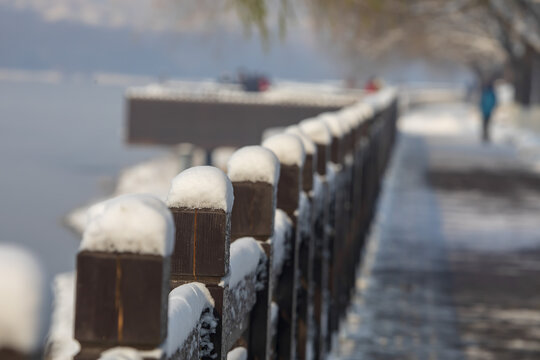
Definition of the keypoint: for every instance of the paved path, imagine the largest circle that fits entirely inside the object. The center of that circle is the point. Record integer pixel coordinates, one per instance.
(452, 270)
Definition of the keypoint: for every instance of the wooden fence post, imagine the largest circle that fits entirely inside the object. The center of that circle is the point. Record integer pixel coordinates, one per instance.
(290, 152)
(335, 223)
(123, 276)
(254, 172)
(201, 200)
(22, 296)
(306, 251)
(318, 132)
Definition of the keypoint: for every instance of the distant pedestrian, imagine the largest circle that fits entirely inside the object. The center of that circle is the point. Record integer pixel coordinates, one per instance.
(488, 101)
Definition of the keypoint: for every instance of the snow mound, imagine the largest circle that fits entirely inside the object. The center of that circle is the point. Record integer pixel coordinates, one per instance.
(61, 342)
(239, 353)
(186, 305)
(245, 256)
(309, 145)
(254, 163)
(282, 231)
(201, 187)
(21, 296)
(136, 223)
(333, 123)
(287, 147)
(317, 131)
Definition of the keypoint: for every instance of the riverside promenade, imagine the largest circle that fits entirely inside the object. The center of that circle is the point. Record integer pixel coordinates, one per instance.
(452, 266)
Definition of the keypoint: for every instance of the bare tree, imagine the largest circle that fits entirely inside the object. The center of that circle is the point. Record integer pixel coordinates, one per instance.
(486, 35)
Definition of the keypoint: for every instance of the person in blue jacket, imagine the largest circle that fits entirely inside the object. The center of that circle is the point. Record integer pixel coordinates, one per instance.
(488, 102)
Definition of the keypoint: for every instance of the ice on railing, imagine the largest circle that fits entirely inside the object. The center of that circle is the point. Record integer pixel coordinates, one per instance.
(239, 353)
(135, 223)
(287, 147)
(21, 300)
(61, 344)
(316, 130)
(187, 303)
(282, 232)
(201, 187)
(253, 163)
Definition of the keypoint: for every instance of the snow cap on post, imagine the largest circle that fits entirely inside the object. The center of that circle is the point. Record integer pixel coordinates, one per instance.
(317, 131)
(287, 147)
(290, 152)
(21, 297)
(381, 99)
(135, 223)
(253, 163)
(350, 117)
(334, 124)
(311, 157)
(201, 187)
(362, 110)
(309, 145)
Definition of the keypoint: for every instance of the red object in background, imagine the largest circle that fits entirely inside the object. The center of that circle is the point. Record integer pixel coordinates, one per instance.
(264, 83)
(373, 85)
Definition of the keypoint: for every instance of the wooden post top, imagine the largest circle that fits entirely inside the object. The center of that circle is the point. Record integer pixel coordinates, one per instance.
(201, 201)
(123, 275)
(254, 172)
(290, 152)
(310, 162)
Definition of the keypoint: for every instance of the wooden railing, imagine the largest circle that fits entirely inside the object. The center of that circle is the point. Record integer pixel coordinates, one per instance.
(268, 276)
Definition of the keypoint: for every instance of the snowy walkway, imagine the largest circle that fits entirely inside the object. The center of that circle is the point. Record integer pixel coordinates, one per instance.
(452, 269)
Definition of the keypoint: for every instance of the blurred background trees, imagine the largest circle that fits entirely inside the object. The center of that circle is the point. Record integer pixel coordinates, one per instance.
(493, 38)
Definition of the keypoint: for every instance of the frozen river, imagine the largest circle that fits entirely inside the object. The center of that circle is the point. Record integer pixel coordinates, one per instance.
(61, 144)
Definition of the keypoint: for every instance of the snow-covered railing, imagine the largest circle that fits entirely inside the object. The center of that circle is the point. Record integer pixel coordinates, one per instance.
(257, 263)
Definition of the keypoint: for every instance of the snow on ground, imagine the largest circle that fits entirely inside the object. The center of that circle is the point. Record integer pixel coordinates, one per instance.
(451, 208)
(520, 129)
(441, 120)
